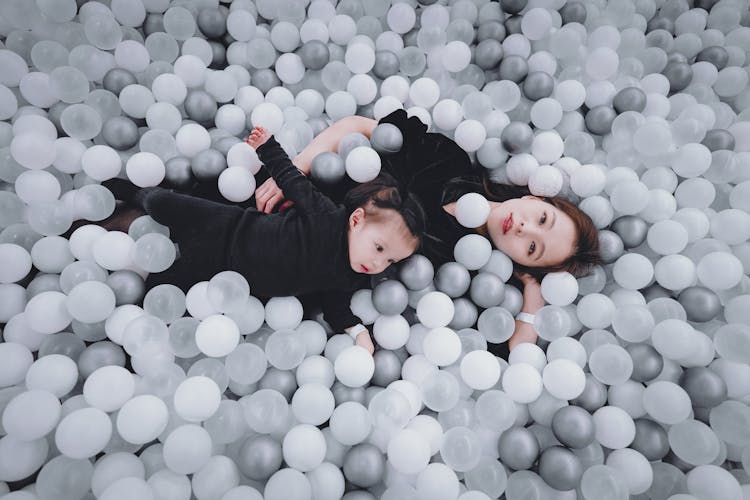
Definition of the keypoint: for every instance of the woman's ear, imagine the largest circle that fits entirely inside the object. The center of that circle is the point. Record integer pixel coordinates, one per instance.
(357, 219)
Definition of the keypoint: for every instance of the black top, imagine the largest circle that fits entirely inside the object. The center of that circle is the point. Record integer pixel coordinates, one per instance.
(301, 250)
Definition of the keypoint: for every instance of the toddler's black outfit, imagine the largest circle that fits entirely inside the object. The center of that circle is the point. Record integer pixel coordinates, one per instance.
(301, 250)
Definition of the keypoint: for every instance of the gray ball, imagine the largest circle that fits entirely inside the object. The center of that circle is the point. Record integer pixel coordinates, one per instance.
(120, 132)
(611, 246)
(178, 173)
(573, 12)
(518, 448)
(200, 106)
(660, 22)
(679, 74)
(650, 439)
(573, 426)
(599, 119)
(489, 53)
(513, 68)
(128, 286)
(629, 99)
(704, 386)
(487, 290)
(154, 23)
(513, 6)
(701, 304)
(351, 141)
(318, 125)
(655, 291)
(453, 279)
(387, 368)
(64, 343)
(538, 85)
(99, 354)
(218, 55)
(517, 137)
(212, 22)
(259, 457)
(716, 55)
(647, 362)
(386, 64)
(717, 139)
(265, 80)
(490, 30)
(416, 272)
(208, 164)
(364, 465)
(560, 468)
(342, 394)
(676, 57)
(631, 229)
(117, 79)
(282, 381)
(390, 297)
(465, 314)
(314, 54)
(54, 114)
(387, 138)
(594, 395)
(513, 25)
(327, 168)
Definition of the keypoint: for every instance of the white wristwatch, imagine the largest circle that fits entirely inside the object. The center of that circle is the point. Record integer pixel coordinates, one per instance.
(525, 317)
(355, 330)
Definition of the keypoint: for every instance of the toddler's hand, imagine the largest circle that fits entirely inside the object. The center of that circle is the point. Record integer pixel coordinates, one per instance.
(258, 136)
(364, 340)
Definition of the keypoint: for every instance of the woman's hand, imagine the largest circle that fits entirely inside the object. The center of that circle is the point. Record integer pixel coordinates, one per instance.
(526, 278)
(268, 194)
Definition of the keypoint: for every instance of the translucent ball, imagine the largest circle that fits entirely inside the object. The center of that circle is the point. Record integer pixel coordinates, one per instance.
(283, 312)
(442, 346)
(456, 56)
(536, 23)
(615, 429)
(587, 180)
(350, 423)
(108, 388)
(269, 116)
(290, 68)
(354, 366)
(83, 433)
(633, 467)
(691, 160)
(611, 364)
(667, 402)
(359, 58)
(142, 419)
(719, 270)
(17, 262)
(559, 288)
(31, 415)
(190, 139)
(196, 398)
(101, 162)
(552, 322)
(391, 332)
(447, 114)
(187, 449)
(408, 452)
(313, 403)
(470, 134)
(91, 302)
(435, 309)
(480, 370)
(546, 113)
(564, 379)
(363, 164)
(304, 447)
(424, 92)
(473, 251)
(522, 383)
(401, 18)
(33, 150)
(47, 312)
(285, 350)
(36, 186)
(547, 147)
(440, 389)
(217, 335)
(288, 484)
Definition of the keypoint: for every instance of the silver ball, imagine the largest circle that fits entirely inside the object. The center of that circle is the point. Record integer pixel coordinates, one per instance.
(517, 137)
(282, 381)
(120, 132)
(386, 138)
(704, 386)
(611, 246)
(487, 290)
(387, 368)
(364, 465)
(314, 54)
(573, 426)
(560, 468)
(200, 106)
(390, 297)
(465, 314)
(416, 272)
(599, 119)
(647, 362)
(259, 457)
(327, 168)
(518, 448)
(650, 439)
(701, 304)
(128, 286)
(631, 229)
(452, 279)
(208, 164)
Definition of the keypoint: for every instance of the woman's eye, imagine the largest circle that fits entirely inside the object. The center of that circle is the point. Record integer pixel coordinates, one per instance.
(532, 247)
(544, 218)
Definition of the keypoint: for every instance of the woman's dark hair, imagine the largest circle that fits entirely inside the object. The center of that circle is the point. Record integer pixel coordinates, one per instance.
(586, 247)
(384, 192)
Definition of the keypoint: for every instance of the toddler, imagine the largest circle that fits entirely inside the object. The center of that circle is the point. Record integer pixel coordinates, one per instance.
(315, 246)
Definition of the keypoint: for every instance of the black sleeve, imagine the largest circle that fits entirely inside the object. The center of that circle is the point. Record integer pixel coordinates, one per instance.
(336, 310)
(426, 161)
(291, 181)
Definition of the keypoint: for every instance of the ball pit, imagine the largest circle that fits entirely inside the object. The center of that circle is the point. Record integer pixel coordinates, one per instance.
(637, 112)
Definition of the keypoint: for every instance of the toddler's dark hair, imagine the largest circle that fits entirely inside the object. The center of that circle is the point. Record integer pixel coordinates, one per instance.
(385, 192)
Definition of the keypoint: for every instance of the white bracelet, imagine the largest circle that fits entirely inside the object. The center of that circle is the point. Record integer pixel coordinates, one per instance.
(525, 317)
(355, 330)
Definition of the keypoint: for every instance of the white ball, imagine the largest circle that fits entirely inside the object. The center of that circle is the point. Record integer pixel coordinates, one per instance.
(362, 87)
(547, 147)
(472, 210)
(109, 387)
(217, 335)
(408, 452)
(304, 447)
(284, 313)
(391, 332)
(480, 370)
(520, 167)
(290, 68)
(101, 162)
(424, 92)
(473, 251)
(564, 379)
(435, 309)
(442, 346)
(16, 262)
(447, 114)
(231, 118)
(470, 135)
(313, 404)
(363, 164)
(236, 184)
(113, 250)
(456, 56)
(197, 398)
(243, 155)
(559, 289)
(145, 169)
(191, 139)
(83, 433)
(142, 419)
(545, 181)
(354, 366)
(350, 423)
(522, 382)
(588, 180)
(268, 116)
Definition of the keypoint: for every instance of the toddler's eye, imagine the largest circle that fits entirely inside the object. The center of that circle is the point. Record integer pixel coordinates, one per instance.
(543, 219)
(532, 247)
(379, 248)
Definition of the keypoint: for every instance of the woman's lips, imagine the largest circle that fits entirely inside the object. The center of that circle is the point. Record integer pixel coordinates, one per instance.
(507, 223)
(364, 268)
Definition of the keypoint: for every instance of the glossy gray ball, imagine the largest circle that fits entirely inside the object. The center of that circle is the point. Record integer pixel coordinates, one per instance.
(629, 99)
(200, 106)
(265, 80)
(386, 138)
(489, 53)
(679, 75)
(594, 395)
(416, 272)
(212, 22)
(117, 79)
(178, 173)
(465, 314)
(518, 448)
(364, 465)
(573, 12)
(650, 439)
(387, 368)
(513, 25)
(647, 362)
(390, 297)
(208, 164)
(513, 6)
(517, 137)
(98, 354)
(327, 168)
(282, 381)
(487, 290)
(611, 246)
(453, 279)
(314, 54)
(154, 23)
(128, 286)
(538, 85)
(491, 30)
(259, 457)
(218, 55)
(573, 426)
(655, 291)
(386, 64)
(704, 386)
(560, 468)
(631, 229)
(342, 394)
(717, 139)
(120, 132)
(716, 55)
(599, 119)
(513, 68)
(351, 141)
(701, 304)
(660, 22)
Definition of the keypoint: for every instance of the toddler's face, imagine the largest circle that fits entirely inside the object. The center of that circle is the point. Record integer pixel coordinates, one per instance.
(373, 246)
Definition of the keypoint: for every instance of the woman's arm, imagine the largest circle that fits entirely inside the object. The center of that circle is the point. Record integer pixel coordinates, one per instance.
(532, 302)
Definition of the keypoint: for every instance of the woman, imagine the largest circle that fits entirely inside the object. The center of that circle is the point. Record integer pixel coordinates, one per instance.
(540, 235)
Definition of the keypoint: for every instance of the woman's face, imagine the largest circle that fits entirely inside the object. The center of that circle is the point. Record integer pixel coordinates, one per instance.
(531, 231)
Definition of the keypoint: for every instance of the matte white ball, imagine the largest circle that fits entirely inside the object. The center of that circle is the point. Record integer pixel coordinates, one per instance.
(559, 289)
(354, 366)
(480, 370)
(363, 164)
(217, 335)
(236, 184)
(197, 398)
(470, 135)
(435, 309)
(472, 210)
